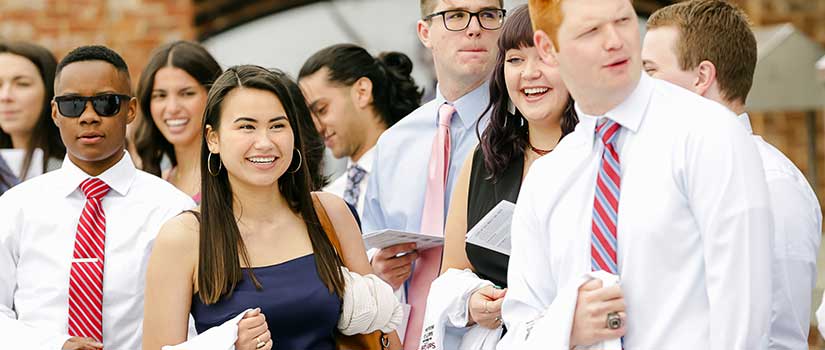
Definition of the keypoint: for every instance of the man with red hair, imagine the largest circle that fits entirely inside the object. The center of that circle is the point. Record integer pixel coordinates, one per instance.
(643, 192)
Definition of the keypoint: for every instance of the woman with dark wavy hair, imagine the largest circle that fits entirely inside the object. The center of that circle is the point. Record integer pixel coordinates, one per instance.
(531, 112)
(261, 238)
(26, 91)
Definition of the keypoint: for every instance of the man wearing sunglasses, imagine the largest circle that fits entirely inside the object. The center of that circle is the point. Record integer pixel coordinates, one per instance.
(74, 242)
(417, 160)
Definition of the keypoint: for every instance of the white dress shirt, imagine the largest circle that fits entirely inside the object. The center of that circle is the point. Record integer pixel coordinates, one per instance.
(694, 229)
(37, 237)
(797, 223)
(339, 185)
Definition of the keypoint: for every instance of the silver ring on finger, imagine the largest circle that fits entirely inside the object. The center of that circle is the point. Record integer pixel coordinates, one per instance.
(614, 321)
(498, 319)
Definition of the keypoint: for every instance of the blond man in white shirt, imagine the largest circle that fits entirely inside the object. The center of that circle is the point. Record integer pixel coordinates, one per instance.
(707, 47)
(44, 290)
(693, 227)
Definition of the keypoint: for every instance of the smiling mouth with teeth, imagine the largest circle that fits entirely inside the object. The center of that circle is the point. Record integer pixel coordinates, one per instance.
(534, 91)
(261, 160)
(176, 122)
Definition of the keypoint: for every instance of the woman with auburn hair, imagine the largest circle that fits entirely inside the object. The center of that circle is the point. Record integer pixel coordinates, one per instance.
(172, 95)
(26, 92)
(261, 239)
(531, 112)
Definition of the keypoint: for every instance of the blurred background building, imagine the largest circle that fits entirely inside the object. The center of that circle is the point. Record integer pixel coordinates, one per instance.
(788, 97)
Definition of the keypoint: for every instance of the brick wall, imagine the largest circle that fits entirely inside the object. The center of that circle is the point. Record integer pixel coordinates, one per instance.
(131, 27)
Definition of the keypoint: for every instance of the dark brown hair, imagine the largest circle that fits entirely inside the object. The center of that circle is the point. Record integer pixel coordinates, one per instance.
(394, 93)
(195, 61)
(503, 141)
(45, 135)
(221, 246)
(714, 31)
(428, 6)
(313, 143)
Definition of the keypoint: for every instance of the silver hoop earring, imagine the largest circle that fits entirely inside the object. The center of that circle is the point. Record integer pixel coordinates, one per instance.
(209, 165)
(300, 162)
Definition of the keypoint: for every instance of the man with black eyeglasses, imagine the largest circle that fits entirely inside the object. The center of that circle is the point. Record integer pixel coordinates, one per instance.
(417, 160)
(74, 242)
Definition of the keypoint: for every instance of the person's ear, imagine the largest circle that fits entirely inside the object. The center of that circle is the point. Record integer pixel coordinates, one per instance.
(131, 112)
(212, 140)
(361, 92)
(705, 77)
(423, 30)
(545, 47)
(55, 118)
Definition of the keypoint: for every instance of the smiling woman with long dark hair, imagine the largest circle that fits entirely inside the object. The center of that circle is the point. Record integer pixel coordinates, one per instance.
(257, 241)
(172, 96)
(26, 90)
(531, 112)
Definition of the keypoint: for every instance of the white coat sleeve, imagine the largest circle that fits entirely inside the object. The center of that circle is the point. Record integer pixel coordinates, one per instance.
(726, 190)
(17, 334)
(538, 315)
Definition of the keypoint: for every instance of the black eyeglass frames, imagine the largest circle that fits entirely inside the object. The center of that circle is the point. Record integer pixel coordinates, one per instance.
(458, 20)
(105, 105)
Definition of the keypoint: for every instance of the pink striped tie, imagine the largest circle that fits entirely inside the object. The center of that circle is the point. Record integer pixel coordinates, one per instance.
(603, 242)
(428, 264)
(86, 278)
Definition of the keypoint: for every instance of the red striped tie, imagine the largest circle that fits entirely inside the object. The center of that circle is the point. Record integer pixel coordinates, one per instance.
(86, 279)
(603, 243)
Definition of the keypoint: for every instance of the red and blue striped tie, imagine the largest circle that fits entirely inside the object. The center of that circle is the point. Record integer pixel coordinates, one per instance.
(603, 243)
(86, 277)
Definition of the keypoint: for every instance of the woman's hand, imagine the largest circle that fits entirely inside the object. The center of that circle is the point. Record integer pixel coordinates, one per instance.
(253, 332)
(485, 307)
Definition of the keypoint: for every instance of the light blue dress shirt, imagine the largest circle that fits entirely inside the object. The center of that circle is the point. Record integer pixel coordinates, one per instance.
(395, 192)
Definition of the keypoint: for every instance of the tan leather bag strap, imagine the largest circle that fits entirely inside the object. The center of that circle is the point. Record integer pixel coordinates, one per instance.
(376, 340)
(326, 223)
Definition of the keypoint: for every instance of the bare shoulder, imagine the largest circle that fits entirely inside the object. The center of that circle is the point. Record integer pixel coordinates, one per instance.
(339, 214)
(333, 204)
(179, 232)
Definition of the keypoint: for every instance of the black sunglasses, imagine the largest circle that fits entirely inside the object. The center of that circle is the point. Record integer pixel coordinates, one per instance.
(105, 105)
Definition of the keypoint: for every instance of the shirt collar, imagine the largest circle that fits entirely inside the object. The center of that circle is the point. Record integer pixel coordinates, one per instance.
(365, 162)
(469, 107)
(119, 177)
(746, 121)
(631, 111)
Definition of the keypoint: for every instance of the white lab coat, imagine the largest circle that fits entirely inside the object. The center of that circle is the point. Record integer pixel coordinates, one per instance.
(446, 317)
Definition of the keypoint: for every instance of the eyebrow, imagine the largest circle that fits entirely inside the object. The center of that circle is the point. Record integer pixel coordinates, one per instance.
(18, 77)
(464, 8)
(104, 92)
(314, 104)
(187, 87)
(253, 120)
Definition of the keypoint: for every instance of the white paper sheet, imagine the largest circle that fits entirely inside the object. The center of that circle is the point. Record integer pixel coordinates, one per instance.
(493, 230)
(385, 238)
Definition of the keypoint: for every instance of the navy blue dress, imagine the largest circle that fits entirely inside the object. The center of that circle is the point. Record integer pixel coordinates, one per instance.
(300, 311)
